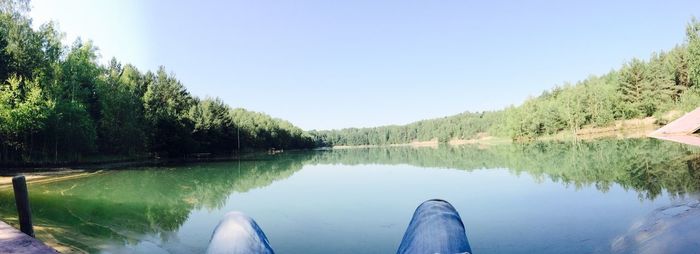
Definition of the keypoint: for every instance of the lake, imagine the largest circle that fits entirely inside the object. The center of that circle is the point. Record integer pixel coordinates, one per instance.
(543, 197)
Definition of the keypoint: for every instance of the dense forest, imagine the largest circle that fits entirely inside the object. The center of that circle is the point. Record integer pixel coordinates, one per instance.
(668, 81)
(59, 104)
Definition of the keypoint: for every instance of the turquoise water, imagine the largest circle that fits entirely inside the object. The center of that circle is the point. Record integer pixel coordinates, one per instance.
(535, 198)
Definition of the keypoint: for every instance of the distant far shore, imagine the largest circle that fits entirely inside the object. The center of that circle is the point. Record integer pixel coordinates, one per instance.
(430, 143)
(633, 128)
(621, 129)
(434, 143)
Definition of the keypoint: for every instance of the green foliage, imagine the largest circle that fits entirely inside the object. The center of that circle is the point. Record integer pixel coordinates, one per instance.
(58, 104)
(668, 81)
(166, 103)
(73, 130)
(465, 125)
(23, 112)
(693, 42)
(23, 107)
(213, 126)
(121, 127)
(258, 130)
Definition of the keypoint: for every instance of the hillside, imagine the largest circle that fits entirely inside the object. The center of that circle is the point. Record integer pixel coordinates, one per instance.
(59, 104)
(669, 81)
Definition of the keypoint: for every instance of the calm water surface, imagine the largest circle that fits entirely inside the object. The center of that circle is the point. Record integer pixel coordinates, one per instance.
(535, 198)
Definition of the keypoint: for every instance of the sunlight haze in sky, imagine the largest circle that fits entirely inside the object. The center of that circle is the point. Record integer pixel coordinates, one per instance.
(336, 64)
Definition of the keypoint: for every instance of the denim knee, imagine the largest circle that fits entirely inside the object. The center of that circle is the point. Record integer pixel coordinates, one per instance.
(436, 227)
(240, 234)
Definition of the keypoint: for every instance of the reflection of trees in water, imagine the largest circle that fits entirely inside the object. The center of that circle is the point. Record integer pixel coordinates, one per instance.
(122, 206)
(644, 165)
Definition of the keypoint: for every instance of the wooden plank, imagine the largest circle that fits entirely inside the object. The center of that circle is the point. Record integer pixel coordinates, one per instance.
(687, 124)
(681, 130)
(12, 241)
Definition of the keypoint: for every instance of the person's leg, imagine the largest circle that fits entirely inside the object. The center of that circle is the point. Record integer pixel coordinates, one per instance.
(435, 228)
(238, 234)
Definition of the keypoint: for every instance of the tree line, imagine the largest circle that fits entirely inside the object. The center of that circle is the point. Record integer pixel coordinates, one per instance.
(462, 126)
(649, 167)
(668, 81)
(58, 104)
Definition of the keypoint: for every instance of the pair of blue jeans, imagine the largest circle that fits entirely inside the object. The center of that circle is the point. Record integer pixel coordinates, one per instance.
(435, 228)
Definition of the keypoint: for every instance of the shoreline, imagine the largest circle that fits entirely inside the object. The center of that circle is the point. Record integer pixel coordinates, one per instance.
(620, 129)
(49, 173)
(433, 143)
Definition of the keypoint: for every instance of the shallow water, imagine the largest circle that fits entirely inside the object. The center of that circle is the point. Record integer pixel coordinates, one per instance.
(535, 198)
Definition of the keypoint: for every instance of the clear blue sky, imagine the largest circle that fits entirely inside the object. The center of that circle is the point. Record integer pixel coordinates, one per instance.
(334, 64)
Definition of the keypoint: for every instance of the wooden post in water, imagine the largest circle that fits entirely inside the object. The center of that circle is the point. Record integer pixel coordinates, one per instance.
(22, 199)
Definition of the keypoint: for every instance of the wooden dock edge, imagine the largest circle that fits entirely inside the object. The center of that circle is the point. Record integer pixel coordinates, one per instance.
(681, 130)
(12, 241)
